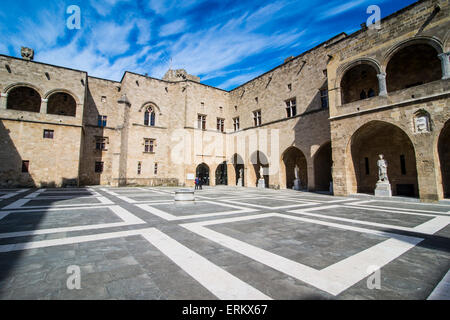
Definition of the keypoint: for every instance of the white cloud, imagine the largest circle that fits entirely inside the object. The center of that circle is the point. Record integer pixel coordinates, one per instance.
(104, 7)
(338, 9)
(3, 48)
(144, 27)
(161, 7)
(172, 28)
(239, 80)
(110, 38)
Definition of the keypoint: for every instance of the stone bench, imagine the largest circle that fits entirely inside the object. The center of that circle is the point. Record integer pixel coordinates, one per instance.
(184, 195)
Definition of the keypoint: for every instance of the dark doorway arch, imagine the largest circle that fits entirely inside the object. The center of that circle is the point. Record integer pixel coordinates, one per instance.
(378, 137)
(411, 66)
(359, 83)
(258, 160)
(222, 174)
(202, 173)
(322, 168)
(292, 157)
(444, 158)
(238, 165)
(61, 103)
(24, 99)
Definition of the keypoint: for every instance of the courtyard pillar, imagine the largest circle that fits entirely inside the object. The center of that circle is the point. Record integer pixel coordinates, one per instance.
(44, 106)
(445, 62)
(382, 84)
(427, 170)
(3, 98)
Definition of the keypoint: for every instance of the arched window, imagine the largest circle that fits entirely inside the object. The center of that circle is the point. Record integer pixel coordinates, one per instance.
(359, 83)
(61, 103)
(24, 99)
(149, 117)
(413, 65)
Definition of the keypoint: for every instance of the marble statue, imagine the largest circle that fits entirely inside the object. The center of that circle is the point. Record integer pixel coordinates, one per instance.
(241, 173)
(297, 172)
(382, 169)
(261, 172)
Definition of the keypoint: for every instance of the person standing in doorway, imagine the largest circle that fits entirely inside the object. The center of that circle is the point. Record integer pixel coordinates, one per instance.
(200, 183)
(196, 183)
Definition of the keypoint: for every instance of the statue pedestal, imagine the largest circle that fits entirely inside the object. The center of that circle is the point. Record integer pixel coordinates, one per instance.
(297, 184)
(261, 184)
(383, 189)
(240, 183)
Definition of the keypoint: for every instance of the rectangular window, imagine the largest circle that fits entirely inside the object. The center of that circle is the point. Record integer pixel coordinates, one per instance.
(139, 168)
(102, 121)
(220, 125)
(25, 166)
(236, 124)
(291, 108)
(257, 118)
(366, 160)
(201, 122)
(100, 143)
(149, 145)
(403, 164)
(48, 134)
(324, 98)
(98, 167)
(156, 169)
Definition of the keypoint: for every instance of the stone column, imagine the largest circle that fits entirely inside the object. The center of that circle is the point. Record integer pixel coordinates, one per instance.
(445, 62)
(44, 106)
(382, 84)
(3, 98)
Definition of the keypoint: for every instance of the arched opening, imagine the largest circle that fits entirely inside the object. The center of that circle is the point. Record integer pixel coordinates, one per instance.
(62, 103)
(202, 173)
(259, 160)
(411, 66)
(359, 83)
(149, 117)
(239, 169)
(222, 174)
(322, 168)
(293, 157)
(444, 158)
(24, 99)
(373, 139)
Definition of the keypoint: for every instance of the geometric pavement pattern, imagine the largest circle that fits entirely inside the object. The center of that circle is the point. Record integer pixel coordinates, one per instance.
(231, 244)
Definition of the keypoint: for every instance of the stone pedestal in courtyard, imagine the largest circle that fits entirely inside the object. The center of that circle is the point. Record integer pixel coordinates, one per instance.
(383, 189)
(297, 184)
(261, 184)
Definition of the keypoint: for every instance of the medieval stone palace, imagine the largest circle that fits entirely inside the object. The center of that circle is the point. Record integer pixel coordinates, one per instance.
(324, 116)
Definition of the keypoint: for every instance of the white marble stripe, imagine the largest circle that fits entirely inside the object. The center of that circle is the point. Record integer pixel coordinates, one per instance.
(66, 241)
(442, 290)
(429, 227)
(219, 282)
(126, 216)
(355, 204)
(13, 194)
(350, 271)
(333, 280)
(300, 204)
(17, 204)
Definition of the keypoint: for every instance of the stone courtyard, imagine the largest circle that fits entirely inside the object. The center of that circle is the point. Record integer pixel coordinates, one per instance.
(231, 243)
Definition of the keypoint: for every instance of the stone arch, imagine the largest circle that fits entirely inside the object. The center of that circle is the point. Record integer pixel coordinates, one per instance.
(258, 159)
(23, 98)
(380, 137)
(291, 157)
(322, 167)
(202, 172)
(238, 163)
(222, 174)
(61, 102)
(444, 157)
(413, 62)
(358, 80)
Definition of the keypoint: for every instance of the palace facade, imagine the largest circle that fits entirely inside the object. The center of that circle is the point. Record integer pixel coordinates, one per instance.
(330, 111)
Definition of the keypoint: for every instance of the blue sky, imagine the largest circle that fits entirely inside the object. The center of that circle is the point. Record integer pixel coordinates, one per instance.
(225, 43)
